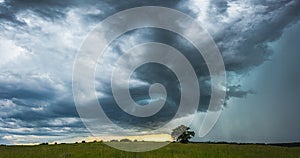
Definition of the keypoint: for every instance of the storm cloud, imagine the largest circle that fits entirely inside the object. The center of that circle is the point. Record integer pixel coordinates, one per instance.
(40, 39)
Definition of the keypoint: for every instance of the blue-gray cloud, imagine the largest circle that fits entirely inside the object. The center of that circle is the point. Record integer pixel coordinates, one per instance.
(41, 39)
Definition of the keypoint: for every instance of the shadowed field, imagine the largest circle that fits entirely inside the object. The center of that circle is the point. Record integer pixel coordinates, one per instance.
(201, 150)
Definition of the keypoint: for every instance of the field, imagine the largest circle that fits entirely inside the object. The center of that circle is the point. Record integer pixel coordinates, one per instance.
(176, 150)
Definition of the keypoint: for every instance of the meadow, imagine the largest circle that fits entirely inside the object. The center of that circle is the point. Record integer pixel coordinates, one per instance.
(173, 150)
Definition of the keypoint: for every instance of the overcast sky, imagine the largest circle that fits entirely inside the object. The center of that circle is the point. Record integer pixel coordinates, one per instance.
(258, 39)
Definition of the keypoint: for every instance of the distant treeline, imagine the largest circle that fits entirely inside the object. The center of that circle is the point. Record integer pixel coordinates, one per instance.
(293, 144)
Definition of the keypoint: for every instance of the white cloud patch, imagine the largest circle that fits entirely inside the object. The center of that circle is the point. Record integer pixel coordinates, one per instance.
(35, 74)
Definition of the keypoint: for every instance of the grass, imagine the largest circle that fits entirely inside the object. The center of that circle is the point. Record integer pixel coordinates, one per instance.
(173, 150)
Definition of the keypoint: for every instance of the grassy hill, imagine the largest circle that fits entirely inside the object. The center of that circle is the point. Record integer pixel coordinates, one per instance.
(176, 150)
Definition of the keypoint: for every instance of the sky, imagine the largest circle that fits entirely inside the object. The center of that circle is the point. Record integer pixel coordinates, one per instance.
(258, 40)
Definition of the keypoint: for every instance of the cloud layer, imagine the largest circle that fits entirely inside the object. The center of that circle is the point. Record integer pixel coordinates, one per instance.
(40, 39)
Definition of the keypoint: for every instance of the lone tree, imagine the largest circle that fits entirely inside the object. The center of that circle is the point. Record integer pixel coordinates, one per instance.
(182, 134)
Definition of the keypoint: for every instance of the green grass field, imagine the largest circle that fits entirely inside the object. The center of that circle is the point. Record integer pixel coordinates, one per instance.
(176, 150)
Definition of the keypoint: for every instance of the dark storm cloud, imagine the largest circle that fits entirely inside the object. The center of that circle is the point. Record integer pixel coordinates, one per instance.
(150, 74)
(34, 88)
(247, 29)
(54, 110)
(55, 119)
(242, 41)
(33, 105)
(251, 49)
(153, 73)
(30, 101)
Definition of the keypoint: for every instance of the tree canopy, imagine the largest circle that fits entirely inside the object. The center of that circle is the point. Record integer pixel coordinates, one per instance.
(182, 134)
